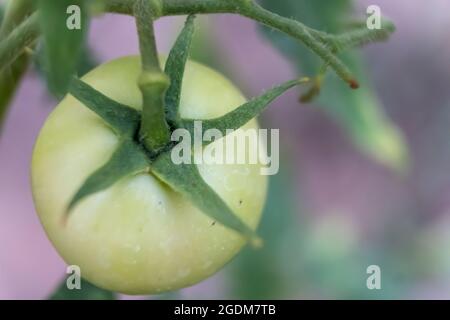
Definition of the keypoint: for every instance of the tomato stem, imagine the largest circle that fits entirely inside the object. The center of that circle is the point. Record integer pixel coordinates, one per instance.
(154, 131)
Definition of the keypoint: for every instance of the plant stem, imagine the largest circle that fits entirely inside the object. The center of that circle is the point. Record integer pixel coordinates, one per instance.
(21, 37)
(16, 11)
(299, 31)
(319, 42)
(10, 77)
(249, 9)
(179, 7)
(153, 82)
(146, 32)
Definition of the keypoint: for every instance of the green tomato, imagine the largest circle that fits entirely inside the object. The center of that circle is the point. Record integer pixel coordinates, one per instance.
(139, 236)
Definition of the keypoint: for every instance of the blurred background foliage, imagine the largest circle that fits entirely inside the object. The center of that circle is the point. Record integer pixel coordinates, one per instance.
(64, 49)
(368, 126)
(351, 192)
(87, 292)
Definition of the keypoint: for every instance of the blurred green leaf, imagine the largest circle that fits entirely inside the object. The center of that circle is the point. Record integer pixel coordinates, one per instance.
(87, 292)
(86, 62)
(63, 46)
(9, 80)
(204, 48)
(259, 274)
(309, 257)
(358, 111)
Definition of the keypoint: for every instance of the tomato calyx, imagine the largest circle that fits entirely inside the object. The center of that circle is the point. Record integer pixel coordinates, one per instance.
(174, 68)
(133, 157)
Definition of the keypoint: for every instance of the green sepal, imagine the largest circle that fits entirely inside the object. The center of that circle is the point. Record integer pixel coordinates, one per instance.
(128, 159)
(244, 113)
(124, 120)
(186, 179)
(174, 68)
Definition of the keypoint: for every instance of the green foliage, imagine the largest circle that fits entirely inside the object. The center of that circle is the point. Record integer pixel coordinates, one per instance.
(309, 257)
(86, 62)
(203, 48)
(9, 81)
(358, 111)
(62, 46)
(258, 274)
(87, 292)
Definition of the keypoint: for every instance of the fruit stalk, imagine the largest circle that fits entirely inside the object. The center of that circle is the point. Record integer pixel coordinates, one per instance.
(154, 131)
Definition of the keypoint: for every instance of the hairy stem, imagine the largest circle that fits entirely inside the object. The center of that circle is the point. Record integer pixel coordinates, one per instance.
(249, 9)
(179, 7)
(145, 16)
(299, 31)
(319, 42)
(323, 44)
(13, 66)
(153, 82)
(16, 11)
(14, 44)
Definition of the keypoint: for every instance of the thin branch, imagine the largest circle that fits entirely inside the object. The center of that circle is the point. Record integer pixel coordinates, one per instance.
(319, 42)
(16, 12)
(14, 44)
(18, 61)
(253, 11)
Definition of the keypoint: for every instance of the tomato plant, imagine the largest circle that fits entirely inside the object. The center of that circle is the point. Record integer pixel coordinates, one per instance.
(106, 189)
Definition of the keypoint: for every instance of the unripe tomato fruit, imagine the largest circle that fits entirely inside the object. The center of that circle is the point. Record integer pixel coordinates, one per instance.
(138, 236)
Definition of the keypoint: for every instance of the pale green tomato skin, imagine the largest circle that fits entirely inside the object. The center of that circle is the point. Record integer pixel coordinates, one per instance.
(139, 236)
